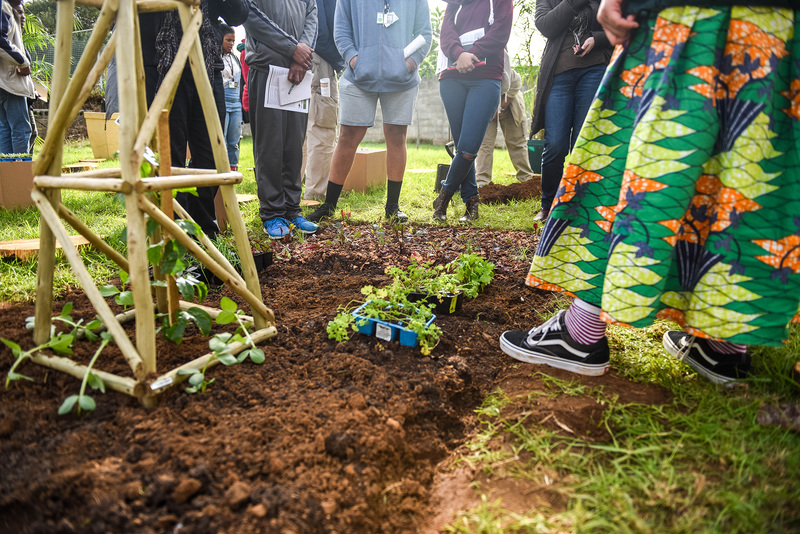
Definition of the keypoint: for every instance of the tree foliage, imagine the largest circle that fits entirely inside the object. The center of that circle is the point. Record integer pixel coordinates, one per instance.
(45, 11)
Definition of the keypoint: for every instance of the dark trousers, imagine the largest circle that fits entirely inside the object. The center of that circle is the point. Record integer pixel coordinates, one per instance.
(278, 137)
(187, 125)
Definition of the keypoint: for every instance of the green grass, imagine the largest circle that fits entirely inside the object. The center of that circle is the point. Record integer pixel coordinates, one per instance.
(105, 214)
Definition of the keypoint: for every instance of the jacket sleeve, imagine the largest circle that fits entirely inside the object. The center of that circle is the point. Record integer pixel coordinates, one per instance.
(233, 12)
(326, 48)
(552, 19)
(422, 26)
(8, 50)
(495, 40)
(263, 29)
(449, 41)
(343, 31)
(309, 35)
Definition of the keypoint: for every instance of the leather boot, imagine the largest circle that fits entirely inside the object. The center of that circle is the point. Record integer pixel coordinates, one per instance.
(440, 205)
(471, 213)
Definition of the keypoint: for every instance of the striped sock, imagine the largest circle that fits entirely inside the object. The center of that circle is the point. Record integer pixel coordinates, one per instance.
(723, 347)
(583, 322)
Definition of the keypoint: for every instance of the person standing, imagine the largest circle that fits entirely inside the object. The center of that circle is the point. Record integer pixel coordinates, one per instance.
(324, 110)
(512, 120)
(279, 34)
(681, 198)
(231, 82)
(16, 85)
(371, 36)
(573, 63)
(474, 36)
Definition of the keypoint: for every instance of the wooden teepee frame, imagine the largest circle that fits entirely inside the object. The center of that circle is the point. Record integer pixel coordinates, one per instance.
(138, 128)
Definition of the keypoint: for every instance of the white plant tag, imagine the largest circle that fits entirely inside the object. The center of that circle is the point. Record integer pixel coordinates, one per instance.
(158, 384)
(383, 332)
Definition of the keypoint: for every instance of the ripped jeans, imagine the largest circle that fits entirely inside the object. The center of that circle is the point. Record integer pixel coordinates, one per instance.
(470, 106)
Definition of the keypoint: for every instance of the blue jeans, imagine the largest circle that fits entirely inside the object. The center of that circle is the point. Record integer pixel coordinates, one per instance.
(233, 123)
(569, 100)
(470, 106)
(15, 127)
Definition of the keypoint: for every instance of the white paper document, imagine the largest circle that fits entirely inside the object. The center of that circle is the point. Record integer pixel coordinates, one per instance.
(413, 46)
(278, 83)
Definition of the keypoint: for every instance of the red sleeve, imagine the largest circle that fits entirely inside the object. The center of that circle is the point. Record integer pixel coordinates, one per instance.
(448, 36)
(245, 93)
(496, 38)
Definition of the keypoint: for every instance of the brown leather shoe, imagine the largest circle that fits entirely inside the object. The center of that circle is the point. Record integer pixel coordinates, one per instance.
(471, 212)
(440, 205)
(541, 216)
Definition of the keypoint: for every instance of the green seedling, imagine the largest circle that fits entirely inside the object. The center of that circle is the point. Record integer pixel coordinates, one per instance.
(82, 400)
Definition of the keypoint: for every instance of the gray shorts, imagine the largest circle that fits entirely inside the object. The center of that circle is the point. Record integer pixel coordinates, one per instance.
(357, 107)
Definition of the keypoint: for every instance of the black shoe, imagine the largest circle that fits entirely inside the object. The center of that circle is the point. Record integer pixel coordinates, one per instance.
(440, 205)
(324, 211)
(394, 214)
(552, 345)
(471, 213)
(695, 352)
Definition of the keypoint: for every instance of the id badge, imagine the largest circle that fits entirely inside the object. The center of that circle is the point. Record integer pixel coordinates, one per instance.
(233, 85)
(380, 17)
(390, 18)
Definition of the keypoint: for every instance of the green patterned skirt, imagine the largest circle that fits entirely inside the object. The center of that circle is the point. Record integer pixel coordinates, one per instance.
(681, 198)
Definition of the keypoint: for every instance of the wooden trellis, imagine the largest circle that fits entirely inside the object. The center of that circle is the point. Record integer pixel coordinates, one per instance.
(138, 128)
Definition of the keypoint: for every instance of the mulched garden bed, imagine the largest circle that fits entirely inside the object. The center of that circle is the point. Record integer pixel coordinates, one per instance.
(324, 437)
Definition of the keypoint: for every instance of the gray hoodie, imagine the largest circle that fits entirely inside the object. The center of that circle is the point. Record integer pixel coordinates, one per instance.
(380, 66)
(275, 27)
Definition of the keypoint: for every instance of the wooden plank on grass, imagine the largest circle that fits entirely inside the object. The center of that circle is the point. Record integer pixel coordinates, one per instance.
(26, 249)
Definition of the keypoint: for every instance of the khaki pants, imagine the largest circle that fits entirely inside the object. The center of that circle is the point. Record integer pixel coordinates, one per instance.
(516, 142)
(323, 115)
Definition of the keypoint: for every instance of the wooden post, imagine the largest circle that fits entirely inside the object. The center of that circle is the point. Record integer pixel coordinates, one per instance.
(137, 233)
(165, 165)
(47, 241)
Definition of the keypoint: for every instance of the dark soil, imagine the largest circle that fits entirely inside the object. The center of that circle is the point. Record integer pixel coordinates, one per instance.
(500, 194)
(327, 437)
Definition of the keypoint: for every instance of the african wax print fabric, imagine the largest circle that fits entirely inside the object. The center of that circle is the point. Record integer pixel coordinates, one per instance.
(681, 199)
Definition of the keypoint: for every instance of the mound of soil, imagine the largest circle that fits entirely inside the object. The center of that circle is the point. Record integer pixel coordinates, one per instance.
(324, 437)
(500, 194)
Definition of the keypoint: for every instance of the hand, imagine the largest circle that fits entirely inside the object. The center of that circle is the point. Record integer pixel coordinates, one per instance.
(296, 73)
(411, 65)
(353, 62)
(618, 28)
(302, 55)
(24, 71)
(585, 48)
(466, 62)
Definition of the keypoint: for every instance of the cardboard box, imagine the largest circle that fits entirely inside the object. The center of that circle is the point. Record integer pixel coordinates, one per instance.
(103, 134)
(16, 183)
(369, 169)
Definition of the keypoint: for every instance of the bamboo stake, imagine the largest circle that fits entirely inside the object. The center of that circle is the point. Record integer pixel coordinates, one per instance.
(121, 318)
(211, 249)
(124, 385)
(58, 124)
(163, 97)
(47, 241)
(181, 171)
(235, 348)
(92, 293)
(147, 6)
(96, 241)
(97, 173)
(165, 160)
(147, 185)
(203, 257)
(141, 87)
(82, 184)
(137, 233)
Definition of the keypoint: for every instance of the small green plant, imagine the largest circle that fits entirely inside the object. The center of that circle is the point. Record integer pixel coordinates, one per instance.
(81, 400)
(473, 273)
(220, 346)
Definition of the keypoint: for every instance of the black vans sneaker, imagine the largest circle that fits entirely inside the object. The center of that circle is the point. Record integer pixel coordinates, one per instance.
(324, 211)
(695, 352)
(552, 345)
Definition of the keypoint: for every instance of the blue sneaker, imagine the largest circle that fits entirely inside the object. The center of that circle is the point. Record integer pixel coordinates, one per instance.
(303, 225)
(276, 228)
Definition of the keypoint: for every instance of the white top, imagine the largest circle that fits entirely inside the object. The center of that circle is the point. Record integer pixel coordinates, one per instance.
(231, 70)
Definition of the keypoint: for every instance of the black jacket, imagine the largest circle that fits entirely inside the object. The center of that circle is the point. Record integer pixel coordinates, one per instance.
(552, 19)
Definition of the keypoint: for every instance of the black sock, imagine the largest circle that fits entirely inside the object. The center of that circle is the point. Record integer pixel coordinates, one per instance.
(393, 193)
(332, 194)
